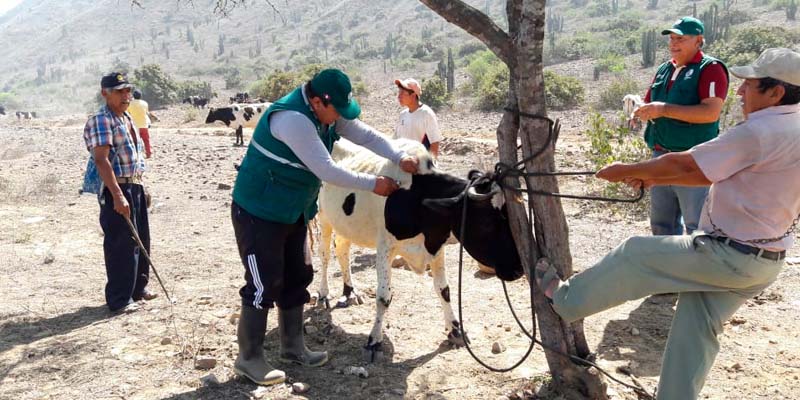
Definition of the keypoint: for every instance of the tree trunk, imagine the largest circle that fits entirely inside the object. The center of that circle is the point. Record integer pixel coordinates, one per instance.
(521, 50)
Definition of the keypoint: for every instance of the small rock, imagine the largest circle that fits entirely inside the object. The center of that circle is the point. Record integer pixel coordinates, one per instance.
(49, 258)
(203, 197)
(166, 341)
(209, 380)
(738, 321)
(260, 392)
(635, 331)
(361, 372)
(205, 297)
(223, 186)
(498, 348)
(233, 318)
(299, 387)
(398, 391)
(773, 341)
(735, 367)
(311, 329)
(205, 362)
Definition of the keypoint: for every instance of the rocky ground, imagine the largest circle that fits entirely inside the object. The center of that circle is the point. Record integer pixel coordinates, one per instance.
(57, 339)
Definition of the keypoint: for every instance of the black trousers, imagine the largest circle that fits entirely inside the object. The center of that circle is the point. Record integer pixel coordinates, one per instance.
(276, 260)
(127, 271)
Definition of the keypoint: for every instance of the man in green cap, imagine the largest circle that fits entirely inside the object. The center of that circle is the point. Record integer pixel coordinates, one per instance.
(275, 196)
(682, 107)
(747, 225)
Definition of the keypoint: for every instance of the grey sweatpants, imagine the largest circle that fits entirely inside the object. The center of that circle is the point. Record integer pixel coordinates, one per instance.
(713, 280)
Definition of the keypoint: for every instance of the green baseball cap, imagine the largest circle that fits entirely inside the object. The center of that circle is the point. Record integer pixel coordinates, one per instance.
(334, 86)
(686, 26)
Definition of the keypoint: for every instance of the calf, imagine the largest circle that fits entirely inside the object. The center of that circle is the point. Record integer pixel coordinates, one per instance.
(629, 104)
(414, 222)
(239, 116)
(26, 114)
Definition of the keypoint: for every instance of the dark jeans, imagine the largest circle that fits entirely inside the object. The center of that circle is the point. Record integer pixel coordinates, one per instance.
(127, 272)
(276, 260)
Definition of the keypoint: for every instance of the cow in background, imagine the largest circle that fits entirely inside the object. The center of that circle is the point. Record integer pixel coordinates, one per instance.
(414, 222)
(26, 114)
(196, 101)
(238, 116)
(2, 110)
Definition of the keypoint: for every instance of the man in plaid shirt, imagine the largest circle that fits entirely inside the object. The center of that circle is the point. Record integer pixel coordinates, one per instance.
(119, 155)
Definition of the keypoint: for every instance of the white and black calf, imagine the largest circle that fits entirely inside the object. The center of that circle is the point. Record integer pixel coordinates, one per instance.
(630, 103)
(414, 222)
(26, 114)
(238, 116)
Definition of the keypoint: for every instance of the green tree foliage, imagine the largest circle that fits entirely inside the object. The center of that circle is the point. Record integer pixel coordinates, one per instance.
(747, 43)
(611, 97)
(158, 87)
(195, 88)
(280, 83)
(562, 92)
(435, 94)
(613, 63)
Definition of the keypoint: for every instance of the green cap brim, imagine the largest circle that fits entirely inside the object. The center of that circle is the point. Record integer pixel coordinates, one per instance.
(350, 111)
(673, 30)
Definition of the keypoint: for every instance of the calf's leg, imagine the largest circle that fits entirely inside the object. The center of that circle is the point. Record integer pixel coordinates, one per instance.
(442, 289)
(383, 296)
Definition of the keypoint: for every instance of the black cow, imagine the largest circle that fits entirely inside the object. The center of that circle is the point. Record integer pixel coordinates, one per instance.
(241, 98)
(196, 101)
(414, 222)
(2, 110)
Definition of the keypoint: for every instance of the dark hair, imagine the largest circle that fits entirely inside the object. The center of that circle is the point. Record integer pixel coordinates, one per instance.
(310, 93)
(791, 93)
(137, 94)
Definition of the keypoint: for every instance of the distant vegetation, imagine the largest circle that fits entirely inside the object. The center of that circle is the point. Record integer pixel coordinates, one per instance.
(611, 97)
(745, 44)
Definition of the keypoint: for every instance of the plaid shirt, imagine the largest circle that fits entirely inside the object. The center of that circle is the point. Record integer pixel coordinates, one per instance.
(106, 129)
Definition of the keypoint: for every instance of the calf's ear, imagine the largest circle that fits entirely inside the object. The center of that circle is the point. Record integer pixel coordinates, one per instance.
(445, 206)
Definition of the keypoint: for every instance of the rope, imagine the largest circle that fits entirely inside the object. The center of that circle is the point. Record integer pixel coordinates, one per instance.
(516, 171)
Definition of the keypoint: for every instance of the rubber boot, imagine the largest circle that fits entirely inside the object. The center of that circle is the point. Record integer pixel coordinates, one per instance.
(293, 347)
(251, 363)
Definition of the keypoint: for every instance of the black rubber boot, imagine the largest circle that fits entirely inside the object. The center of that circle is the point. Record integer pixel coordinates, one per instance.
(293, 347)
(251, 363)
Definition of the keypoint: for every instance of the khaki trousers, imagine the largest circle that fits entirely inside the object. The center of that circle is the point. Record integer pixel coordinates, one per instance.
(713, 281)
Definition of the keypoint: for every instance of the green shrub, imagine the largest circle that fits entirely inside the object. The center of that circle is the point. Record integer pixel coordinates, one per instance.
(576, 47)
(195, 88)
(276, 85)
(744, 45)
(562, 92)
(611, 63)
(435, 94)
(158, 87)
(10, 100)
(493, 92)
(478, 66)
(233, 78)
(610, 143)
(611, 97)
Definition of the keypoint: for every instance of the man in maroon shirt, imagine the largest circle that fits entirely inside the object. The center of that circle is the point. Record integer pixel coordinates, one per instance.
(682, 108)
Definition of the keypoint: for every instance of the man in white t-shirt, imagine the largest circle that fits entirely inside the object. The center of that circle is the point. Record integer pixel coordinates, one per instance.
(417, 122)
(746, 226)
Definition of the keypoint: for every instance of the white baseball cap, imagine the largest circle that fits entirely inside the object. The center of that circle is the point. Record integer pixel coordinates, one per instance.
(778, 63)
(409, 84)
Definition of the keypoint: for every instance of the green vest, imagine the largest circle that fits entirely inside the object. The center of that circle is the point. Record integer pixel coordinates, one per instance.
(672, 134)
(279, 191)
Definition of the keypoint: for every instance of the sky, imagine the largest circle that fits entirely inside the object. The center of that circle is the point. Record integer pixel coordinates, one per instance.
(6, 5)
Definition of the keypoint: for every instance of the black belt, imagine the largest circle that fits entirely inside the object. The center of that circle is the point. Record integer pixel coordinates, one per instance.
(746, 249)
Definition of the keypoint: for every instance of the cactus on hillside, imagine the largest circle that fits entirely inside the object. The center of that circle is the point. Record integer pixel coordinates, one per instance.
(791, 10)
(648, 48)
(451, 68)
(652, 4)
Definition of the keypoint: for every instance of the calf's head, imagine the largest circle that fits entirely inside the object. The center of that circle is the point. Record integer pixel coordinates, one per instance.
(224, 114)
(433, 206)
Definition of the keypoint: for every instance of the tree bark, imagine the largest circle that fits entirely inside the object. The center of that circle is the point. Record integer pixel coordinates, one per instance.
(521, 50)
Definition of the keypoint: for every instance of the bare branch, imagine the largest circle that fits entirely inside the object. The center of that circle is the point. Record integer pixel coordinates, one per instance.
(476, 24)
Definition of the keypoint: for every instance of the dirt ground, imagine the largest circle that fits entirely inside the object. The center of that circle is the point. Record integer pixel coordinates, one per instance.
(58, 340)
